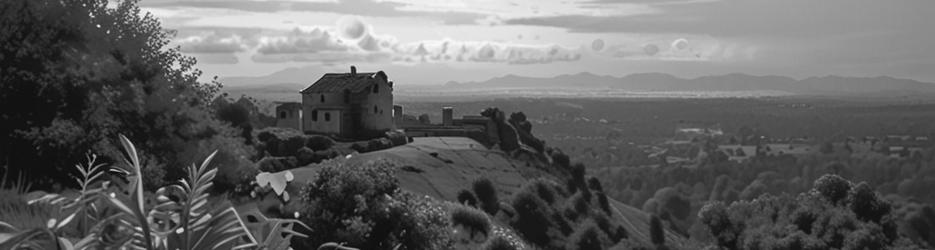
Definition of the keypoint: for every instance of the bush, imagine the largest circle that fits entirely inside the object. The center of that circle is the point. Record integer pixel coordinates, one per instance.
(595, 184)
(580, 204)
(487, 195)
(614, 232)
(561, 160)
(291, 146)
(498, 243)
(587, 237)
(532, 218)
(542, 188)
(467, 198)
(319, 142)
(475, 221)
(656, 232)
(344, 203)
(604, 203)
(276, 164)
(397, 138)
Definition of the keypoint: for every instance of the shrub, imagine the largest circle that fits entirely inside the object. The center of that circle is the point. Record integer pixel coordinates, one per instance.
(467, 198)
(604, 203)
(587, 237)
(410, 221)
(542, 188)
(613, 232)
(291, 146)
(561, 159)
(487, 195)
(318, 142)
(595, 184)
(343, 202)
(498, 243)
(562, 224)
(304, 156)
(656, 232)
(397, 138)
(276, 164)
(532, 218)
(475, 221)
(580, 204)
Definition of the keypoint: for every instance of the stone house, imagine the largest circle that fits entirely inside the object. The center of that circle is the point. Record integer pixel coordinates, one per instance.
(351, 105)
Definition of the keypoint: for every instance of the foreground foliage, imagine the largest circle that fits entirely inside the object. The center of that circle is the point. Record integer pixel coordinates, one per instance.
(362, 206)
(101, 217)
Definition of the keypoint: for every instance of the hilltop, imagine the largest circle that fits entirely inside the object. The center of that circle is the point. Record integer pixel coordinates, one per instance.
(441, 166)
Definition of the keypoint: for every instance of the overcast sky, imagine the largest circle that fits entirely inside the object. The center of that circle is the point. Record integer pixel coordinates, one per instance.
(435, 41)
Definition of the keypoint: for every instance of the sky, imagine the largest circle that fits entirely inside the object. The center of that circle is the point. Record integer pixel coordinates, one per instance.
(436, 41)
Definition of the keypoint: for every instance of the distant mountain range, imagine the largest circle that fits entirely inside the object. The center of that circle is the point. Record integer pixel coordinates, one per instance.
(284, 85)
(827, 85)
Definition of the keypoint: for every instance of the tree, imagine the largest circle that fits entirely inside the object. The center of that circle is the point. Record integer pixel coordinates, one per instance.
(75, 73)
(487, 195)
(656, 232)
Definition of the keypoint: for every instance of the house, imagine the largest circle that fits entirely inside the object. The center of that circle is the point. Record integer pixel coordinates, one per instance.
(289, 115)
(351, 105)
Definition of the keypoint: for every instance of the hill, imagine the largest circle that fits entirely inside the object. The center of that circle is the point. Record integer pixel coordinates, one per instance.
(441, 166)
(827, 85)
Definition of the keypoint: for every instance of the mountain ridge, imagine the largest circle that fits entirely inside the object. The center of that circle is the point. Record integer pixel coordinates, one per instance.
(654, 81)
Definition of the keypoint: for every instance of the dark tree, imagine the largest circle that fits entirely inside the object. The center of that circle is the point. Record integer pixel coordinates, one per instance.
(487, 195)
(467, 198)
(656, 231)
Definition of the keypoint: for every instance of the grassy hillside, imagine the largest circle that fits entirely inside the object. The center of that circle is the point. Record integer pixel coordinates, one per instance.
(441, 166)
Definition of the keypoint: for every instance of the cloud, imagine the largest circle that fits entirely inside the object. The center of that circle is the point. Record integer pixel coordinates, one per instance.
(485, 52)
(371, 8)
(753, 18)
(298, 41)
(212, 43)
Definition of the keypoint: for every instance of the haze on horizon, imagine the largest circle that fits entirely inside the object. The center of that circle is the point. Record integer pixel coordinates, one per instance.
(434, 41)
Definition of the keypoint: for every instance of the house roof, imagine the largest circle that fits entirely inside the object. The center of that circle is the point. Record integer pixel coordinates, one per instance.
(338, 82)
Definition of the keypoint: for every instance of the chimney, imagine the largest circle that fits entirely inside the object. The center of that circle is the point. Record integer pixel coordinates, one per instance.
(353, 70)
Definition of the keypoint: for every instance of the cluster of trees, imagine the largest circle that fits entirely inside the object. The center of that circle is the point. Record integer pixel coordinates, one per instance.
(573, 213)
(834, 214)
(74, 74)
(676, 193)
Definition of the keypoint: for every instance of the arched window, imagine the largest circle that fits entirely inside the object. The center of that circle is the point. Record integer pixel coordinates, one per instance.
(376, 88)
(314, 115)
(327, 116)
(374, 109)
(282, 114)
(322, 98)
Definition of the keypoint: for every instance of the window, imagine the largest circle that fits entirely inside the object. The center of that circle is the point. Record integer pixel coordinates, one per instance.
(314, 115)
(322, 98)
(374, 109)
(282, 114)
(347, 96)
(327, 116)
(376, 88)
